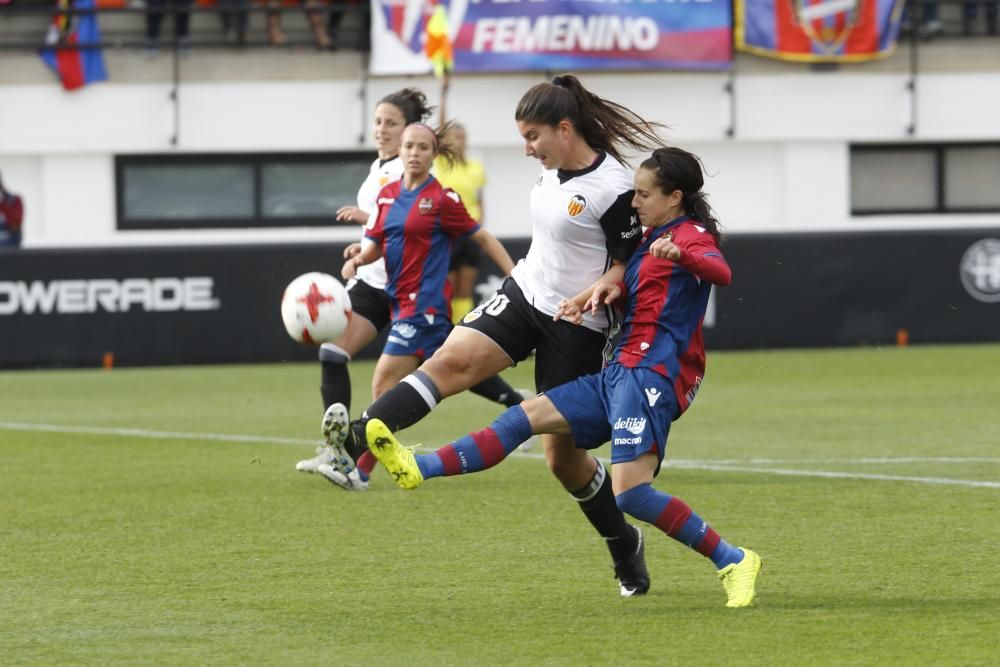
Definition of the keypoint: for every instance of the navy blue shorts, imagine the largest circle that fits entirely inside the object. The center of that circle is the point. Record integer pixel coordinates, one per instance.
(631, 407)
(417, 336)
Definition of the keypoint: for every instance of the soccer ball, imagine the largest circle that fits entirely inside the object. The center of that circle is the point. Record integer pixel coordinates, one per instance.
(315, 308)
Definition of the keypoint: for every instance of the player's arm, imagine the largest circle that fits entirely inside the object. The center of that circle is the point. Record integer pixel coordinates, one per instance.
(494, 250)
(601, 292)
(351, 214)
(701, 257)
(370, 251)
(622, 233)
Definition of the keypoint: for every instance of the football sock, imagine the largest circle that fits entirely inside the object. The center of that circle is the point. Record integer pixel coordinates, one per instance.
(406, 403)
(497, 390)
(480, 450)
(672, 515)
(335, 381)
(366, 463)
(598, 504)
(400, 407)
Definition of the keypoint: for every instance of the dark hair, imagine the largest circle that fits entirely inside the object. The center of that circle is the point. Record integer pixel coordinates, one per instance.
(676, 169)
(411, 102)
(603, 124)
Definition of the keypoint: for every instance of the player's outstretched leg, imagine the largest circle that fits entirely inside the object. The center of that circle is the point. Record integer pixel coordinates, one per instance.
(398, 461)
(334, 434)
(738, 568)
(740, 580)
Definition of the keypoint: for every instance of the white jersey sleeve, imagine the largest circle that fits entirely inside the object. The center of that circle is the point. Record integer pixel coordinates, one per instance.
(379, 176)
(580, 222)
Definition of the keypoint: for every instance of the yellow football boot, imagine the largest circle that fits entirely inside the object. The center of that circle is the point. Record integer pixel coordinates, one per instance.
(399, 461)
(740, 579)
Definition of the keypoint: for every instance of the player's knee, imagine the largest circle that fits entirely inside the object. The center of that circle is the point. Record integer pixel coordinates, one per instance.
(633, 501)
(448, 362)
(571, 466)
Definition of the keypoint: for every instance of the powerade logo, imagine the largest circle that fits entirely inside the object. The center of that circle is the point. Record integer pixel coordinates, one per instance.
(73, 297)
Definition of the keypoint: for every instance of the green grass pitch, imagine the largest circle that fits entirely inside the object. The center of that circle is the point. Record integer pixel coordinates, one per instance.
(134, 529)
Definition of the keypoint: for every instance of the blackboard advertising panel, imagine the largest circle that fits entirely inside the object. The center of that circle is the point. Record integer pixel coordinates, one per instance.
(196, 304)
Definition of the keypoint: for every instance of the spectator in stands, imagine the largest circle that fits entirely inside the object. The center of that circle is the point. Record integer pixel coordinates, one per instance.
(181, 10)
(970, 11)
(363, 32)
(276, 36)
(233, 14)
(11, 216)
(466, 177)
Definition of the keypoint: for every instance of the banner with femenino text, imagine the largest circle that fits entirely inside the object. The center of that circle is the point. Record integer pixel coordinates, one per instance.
(561, 35)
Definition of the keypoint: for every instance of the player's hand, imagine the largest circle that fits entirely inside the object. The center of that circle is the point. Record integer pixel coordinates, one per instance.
(352, 250)
(664, 248)
(569, 311)
(603, 294)
(352, 214)
(350, 269)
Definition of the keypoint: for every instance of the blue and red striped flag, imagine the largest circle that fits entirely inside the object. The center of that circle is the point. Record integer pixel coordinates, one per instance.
(74, 67)
(818, 30)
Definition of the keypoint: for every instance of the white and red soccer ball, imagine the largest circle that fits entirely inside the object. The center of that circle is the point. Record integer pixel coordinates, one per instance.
(315, 308)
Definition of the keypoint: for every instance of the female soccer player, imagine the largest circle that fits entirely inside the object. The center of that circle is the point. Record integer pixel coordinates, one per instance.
(415, 224)
(655, 373)
(369, 302)
(582, 227)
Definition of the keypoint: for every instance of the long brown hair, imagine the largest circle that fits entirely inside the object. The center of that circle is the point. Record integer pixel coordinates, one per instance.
(676, 169)
(603, 124)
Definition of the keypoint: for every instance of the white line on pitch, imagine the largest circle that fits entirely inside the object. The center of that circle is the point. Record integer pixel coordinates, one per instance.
(867, 460)
(143, 433)
(730, 465)
(707, 465)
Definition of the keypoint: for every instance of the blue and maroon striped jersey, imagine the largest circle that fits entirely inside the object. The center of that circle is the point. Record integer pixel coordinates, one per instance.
(415, 229)
(666, 304)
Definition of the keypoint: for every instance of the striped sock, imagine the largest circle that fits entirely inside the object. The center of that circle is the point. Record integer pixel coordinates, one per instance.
(481, 450)
(672, 515)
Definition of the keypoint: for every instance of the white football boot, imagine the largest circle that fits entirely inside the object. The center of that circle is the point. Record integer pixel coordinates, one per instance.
(350, 482)
(334, 428)
(323, 457)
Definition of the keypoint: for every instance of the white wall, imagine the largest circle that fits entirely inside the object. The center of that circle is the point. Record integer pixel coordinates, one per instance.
(785, 169)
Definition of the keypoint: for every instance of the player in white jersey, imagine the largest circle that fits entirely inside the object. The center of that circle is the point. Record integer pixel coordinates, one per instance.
(583, 229)
(369, 302)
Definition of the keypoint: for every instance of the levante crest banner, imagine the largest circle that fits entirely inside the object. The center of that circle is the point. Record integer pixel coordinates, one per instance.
(818, 30)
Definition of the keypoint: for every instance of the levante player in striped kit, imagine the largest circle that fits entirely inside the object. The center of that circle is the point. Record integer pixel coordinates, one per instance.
(416, 222)
(658, 366)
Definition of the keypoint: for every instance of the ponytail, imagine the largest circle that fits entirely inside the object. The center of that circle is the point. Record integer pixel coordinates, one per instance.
(605, 125)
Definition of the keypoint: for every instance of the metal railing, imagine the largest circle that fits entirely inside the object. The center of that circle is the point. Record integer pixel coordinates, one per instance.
(200, 38)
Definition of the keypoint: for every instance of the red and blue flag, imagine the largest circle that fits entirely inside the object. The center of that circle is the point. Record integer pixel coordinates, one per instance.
(818, 30)
(74, 66)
